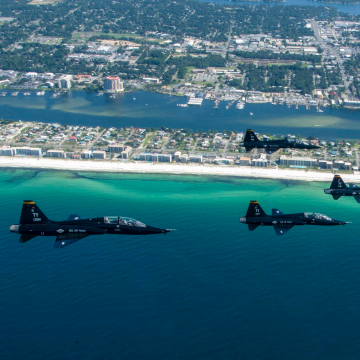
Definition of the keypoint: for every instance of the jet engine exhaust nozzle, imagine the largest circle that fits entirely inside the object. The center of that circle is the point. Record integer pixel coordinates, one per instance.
(14, 228)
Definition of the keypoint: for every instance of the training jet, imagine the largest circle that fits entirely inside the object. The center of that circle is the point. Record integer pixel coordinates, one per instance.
(33, 222)
(339, 189)
(281, 222)
(251, 141)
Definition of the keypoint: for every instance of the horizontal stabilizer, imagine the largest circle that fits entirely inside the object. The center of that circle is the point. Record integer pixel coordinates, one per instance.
(354, 186)
(68, 239)
(276, 212)
(357, 198)
(74, 217)
(282, 229)
(26, 237)
(336, 196)
(252, 227)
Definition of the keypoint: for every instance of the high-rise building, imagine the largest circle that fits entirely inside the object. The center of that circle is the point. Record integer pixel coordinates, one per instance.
(65, 83)
(113, 84)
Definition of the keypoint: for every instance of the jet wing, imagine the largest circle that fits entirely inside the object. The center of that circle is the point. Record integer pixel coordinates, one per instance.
(68, 239)
(357, 198)
(282, 229)
(26, 237)
(336, 196)
(252, 227)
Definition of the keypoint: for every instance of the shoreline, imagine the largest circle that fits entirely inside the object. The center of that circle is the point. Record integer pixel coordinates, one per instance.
(168, 168)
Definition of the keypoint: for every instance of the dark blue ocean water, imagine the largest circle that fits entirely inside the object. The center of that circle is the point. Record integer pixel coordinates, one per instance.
(210, 290)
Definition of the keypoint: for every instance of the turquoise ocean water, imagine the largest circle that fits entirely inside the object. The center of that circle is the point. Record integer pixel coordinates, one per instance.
(210, 290)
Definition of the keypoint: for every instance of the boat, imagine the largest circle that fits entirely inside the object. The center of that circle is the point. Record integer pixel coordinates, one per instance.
(40, 93)
(321, 110)
(240, 105)
(251, 113)
(112, 96)
(27, 94)
(134, 98)
(15, 93)
(3, 94)
(182, 105)
(100, 94)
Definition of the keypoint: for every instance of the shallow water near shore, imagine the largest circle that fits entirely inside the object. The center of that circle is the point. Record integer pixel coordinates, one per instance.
(211, 289)
(156, 110)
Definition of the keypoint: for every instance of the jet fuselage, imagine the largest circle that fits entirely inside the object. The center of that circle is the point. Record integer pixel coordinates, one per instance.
(94, 226)
(291, 219)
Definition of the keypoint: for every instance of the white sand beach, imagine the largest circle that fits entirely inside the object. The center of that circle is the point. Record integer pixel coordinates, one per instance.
(171, 168)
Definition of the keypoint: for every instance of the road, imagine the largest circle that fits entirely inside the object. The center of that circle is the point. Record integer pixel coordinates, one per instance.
(332, 51)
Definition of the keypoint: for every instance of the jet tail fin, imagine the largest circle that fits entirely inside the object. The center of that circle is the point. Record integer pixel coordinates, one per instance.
(255, 210)
(31, 214)
(338, 183)
(250, 136)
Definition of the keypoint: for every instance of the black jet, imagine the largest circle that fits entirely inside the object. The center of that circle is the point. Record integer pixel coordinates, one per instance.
(281, 222)
(339, 189)
(33, 222)
(251, 141)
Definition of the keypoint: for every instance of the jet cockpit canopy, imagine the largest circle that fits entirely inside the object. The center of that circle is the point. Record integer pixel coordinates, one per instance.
(295, 141)
(316, 216)
(122, 220)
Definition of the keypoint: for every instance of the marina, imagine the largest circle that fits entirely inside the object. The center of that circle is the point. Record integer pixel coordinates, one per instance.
(84, 108)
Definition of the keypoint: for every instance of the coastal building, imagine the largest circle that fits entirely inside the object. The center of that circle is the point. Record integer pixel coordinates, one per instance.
(164, 158)
(297, 161)
(339, 164)
(72, 138)
(7, 151)
(126, 153)
(113, 84)
(151, 80)
(347, 165)
(177, 156)
(326, 165)
(261, 162)
(244, 161)
(28, 151)
(65, 83)
(184, 158)
(155, 157)
(147, 157)
(352, 104)
(99, 155)
(116, 148)
(55, 153)
(86, 154)
(196, 158)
